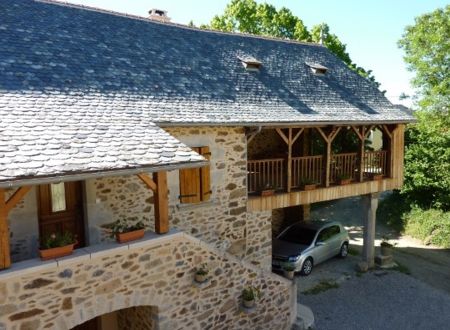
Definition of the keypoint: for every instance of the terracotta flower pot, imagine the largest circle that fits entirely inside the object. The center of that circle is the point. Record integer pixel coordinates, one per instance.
(289, 274)
(57, 252)
(268, 192)
(309, 186)
(249, 303)
(129, 236)
(200, 278)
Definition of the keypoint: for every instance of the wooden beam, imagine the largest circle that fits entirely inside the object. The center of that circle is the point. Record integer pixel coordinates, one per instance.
(148, 181)
(16, 197)
(161, 203)
(334, 133)
(251, 137)
(361, 137)
(324, 136)
(5, 255)
(284, 137)
(368, 131)
(328, 140)
(297, 135)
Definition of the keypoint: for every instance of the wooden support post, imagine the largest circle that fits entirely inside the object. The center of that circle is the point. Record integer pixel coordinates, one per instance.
(362, 138)
(388, 131)
(370, 205)
(5, 208)
(289, 164)
(161, 203)
(328, 138)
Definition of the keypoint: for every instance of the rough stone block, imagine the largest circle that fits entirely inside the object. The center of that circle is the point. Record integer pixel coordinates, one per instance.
(362, 266)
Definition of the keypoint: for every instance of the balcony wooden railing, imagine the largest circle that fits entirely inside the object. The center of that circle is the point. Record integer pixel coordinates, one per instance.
(306, 168)
(375, 162)
(266, 172)
(343, 165)
(273, 172)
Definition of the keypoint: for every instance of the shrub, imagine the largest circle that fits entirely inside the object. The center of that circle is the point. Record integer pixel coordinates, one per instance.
(432, 226)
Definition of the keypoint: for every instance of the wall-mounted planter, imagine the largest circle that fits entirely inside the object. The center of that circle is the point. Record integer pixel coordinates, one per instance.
(267, 192)
(200, 278)
(249, 303)
(289, 274)
(130, 236)
(57, 252)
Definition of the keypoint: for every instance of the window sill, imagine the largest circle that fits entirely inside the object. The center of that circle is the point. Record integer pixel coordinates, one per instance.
(193, 206)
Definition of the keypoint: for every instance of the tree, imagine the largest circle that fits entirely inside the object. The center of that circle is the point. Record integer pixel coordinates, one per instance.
(427, 160)
(247, 16)
(427, 54)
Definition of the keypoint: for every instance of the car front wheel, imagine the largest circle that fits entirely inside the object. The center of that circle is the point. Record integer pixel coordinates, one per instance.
(307, 267)
(344, 250)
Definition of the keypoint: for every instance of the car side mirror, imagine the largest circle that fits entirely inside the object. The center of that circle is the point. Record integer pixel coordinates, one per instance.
(320, 243)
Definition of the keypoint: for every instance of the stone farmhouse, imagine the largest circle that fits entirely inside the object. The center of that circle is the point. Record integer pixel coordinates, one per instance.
(106, 116)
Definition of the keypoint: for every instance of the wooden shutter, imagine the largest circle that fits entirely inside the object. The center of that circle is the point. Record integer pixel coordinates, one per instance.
(190, 184)
(205, 175)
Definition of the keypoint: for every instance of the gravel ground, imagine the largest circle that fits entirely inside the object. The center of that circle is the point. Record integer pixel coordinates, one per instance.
(380, 300)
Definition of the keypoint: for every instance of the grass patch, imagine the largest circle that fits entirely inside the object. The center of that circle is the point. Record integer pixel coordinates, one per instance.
(321, 287)
(352, 251)
(402, 269)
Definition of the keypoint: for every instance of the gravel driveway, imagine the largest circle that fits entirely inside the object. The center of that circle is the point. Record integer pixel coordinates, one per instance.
(380, 300)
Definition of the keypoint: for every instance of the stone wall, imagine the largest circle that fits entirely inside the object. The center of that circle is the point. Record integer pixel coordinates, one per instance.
(222, 221)
(157, 272)
(267, 144)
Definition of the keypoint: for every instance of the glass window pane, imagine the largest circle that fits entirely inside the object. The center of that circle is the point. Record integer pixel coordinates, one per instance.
(58, 195)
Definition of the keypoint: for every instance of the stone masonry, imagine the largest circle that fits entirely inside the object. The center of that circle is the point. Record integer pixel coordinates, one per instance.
(156, 271)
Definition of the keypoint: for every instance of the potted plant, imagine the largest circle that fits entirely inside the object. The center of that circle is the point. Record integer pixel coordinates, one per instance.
(249, 296)
(268, 190)
(386, 247)
(376, 176)
(201, 273)
(344, 179)
(126, 232)
(308, 184)
(289, 270)
(57, 245)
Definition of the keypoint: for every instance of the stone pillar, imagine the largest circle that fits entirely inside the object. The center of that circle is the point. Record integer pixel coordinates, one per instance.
(306, 212)
(369, 204)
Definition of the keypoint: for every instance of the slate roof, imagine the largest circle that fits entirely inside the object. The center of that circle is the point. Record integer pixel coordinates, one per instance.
(81, 90)
(43, 147)
(60, 56)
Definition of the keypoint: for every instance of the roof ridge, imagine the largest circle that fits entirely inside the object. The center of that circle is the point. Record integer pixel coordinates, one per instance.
(179, 25)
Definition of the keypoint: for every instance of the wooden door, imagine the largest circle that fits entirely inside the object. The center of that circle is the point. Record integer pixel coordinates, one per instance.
(61, 210)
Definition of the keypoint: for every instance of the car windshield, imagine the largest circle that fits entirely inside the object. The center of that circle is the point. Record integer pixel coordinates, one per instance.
(298, 235)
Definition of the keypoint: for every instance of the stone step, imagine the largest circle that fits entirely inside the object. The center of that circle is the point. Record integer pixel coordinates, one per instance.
(305, 318)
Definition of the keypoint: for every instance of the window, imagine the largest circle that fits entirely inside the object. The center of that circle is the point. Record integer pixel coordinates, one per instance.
(317, 69)
(328, 233)
(250, 63)
(299, 235)
(58, 197)
(195, 185)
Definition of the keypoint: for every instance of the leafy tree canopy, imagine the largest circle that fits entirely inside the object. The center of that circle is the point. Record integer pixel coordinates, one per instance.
(248, 16)
(427, 53)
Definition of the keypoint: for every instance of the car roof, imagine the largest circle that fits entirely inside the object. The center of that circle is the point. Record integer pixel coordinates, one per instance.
(316, 224)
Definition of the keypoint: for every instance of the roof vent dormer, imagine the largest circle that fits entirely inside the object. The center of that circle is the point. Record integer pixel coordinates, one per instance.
(317, 69)
(250, 63)
(158, 15)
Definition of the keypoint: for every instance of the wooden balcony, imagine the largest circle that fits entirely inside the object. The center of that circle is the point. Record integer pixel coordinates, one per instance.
(272, 173)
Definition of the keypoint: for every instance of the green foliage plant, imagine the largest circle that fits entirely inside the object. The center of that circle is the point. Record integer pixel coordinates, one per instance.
(55, 240)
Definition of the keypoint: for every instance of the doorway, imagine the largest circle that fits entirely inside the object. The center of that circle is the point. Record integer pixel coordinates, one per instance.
(61, 210)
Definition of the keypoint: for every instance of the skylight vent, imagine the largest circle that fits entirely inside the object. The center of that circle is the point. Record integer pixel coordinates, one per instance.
(250, 63)
(317, 69)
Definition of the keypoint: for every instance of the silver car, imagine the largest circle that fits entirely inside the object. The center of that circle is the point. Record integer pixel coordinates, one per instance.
(305, 244)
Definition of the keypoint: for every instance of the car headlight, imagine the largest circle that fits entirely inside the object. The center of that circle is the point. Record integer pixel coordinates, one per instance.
(293, 258)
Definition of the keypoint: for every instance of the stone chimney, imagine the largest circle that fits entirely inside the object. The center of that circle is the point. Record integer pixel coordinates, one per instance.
(158, 15)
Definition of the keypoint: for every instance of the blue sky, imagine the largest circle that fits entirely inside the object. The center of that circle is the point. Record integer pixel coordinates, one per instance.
(369, 28)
